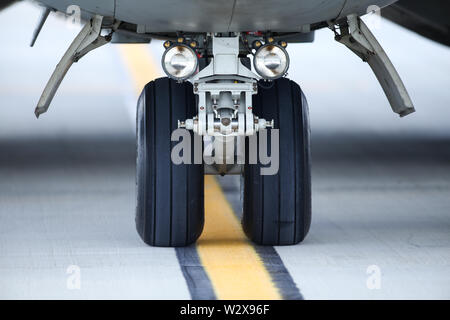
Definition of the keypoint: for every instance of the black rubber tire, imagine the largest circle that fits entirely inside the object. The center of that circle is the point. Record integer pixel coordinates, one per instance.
(170, 198)
(277, 208)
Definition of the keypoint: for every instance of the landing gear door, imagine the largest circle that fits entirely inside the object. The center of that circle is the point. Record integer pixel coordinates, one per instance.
(358, 38)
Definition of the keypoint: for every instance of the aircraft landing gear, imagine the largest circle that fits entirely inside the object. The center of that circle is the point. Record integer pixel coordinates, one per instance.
(235, 107)
(170, 208)
(212, 92)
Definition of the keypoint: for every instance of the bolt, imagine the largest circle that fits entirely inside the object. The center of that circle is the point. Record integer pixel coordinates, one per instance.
(226, 121)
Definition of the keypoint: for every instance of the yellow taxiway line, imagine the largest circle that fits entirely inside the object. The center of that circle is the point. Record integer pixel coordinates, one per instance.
(230, 260)
(140, 64)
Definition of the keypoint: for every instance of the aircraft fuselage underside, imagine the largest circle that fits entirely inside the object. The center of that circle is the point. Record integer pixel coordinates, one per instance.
(221, 16)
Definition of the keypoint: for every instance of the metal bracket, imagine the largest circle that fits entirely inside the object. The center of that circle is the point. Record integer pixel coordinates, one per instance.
(358, 38)
(225, 88)
(87, 40)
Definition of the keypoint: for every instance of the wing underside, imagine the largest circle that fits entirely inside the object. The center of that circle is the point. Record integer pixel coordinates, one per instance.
(430, 20)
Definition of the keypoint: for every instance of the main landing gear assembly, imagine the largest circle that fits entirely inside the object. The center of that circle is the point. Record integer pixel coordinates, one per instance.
(213, 114)
(224, 102)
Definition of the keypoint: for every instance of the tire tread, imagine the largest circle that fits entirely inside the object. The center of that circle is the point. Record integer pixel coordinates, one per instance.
(168, 214)
(277, 209)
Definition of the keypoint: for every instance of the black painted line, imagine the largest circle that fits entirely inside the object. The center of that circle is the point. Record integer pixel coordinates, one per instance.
(278, 272)
(198, 282)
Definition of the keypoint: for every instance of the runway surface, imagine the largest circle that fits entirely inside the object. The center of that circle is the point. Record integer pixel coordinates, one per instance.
(381, 185)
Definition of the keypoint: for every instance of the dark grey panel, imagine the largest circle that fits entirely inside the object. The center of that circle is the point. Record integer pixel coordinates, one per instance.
(176, 15)
(431, 20)
(282, 15)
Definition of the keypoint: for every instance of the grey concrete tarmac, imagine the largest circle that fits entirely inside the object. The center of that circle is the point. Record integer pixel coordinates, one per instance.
(67, 180)
(381, 185)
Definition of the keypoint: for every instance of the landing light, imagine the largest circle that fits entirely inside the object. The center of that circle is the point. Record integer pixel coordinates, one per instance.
(271, 61)
(179, 62)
